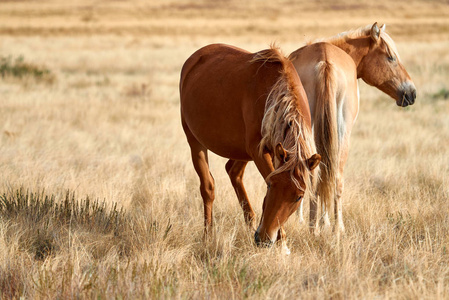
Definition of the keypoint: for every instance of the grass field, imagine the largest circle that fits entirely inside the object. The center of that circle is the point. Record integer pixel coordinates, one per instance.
(89, 108)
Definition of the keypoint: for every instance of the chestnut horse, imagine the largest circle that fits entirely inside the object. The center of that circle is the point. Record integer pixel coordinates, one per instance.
(329, 70)
(249, 106)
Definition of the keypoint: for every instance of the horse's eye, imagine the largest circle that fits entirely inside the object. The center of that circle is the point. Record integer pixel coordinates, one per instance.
(391, 58)
(268, 185)
(299, 198)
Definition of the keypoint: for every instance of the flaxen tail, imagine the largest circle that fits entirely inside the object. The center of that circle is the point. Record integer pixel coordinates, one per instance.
(325, 131)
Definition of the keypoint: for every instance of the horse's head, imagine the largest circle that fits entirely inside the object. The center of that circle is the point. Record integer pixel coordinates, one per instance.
(382, 68)
(283, 196)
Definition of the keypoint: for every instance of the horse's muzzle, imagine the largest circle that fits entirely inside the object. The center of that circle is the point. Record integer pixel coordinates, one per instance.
(259, 242)
(407, 96)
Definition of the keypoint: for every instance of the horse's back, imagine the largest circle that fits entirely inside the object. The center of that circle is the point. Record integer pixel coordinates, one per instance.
(317, 52)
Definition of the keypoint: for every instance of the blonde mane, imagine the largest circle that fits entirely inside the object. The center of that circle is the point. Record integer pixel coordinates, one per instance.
(346, 35)
(365, 31)
(283, 121)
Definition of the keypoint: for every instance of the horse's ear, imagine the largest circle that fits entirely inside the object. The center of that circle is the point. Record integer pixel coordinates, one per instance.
(382, 28)
(280, 153)
(313, 161)
(375, 32)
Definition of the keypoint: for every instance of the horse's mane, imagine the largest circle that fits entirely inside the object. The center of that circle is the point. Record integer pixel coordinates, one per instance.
(283, 121)
(346, 35)
(364, 31)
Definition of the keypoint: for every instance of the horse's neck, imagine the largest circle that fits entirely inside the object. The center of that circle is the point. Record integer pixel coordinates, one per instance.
(357, 48)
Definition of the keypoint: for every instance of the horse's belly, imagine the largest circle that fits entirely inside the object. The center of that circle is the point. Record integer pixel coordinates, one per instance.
(230, 152)
(220, 131)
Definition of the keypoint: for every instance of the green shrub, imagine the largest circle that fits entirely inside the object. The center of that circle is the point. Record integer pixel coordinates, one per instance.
(18, 68)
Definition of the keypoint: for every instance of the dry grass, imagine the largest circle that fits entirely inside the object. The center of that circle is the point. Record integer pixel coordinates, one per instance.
(107, 127)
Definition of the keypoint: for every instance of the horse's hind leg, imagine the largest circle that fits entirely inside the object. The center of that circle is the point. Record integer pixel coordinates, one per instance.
(338, 205)
(324, 222)
(235, 170)
(207, 183)
(313, 213)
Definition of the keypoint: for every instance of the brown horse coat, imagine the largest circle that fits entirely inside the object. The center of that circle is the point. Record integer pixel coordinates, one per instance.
(249, 106)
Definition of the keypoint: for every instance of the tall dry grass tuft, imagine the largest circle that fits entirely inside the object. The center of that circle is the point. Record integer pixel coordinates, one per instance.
(44, 225)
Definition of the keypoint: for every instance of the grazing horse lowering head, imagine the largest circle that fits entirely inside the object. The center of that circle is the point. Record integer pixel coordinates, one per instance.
(222, 91)
(285, 192)
(287, 135)
(382, 68)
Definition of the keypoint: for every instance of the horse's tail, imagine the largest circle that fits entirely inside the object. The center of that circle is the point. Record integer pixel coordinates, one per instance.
(326, 130)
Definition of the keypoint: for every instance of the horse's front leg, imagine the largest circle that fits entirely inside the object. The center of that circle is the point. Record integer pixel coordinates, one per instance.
(283, 237)
(235, 170)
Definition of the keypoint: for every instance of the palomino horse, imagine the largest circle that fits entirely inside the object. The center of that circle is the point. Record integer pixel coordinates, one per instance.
(249, 106)
(329, 71)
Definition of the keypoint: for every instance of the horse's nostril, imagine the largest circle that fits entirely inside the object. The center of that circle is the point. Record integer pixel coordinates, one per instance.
(410, 97)
(413, 95)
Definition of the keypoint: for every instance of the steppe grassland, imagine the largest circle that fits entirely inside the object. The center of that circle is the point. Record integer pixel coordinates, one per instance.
(109, 127)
